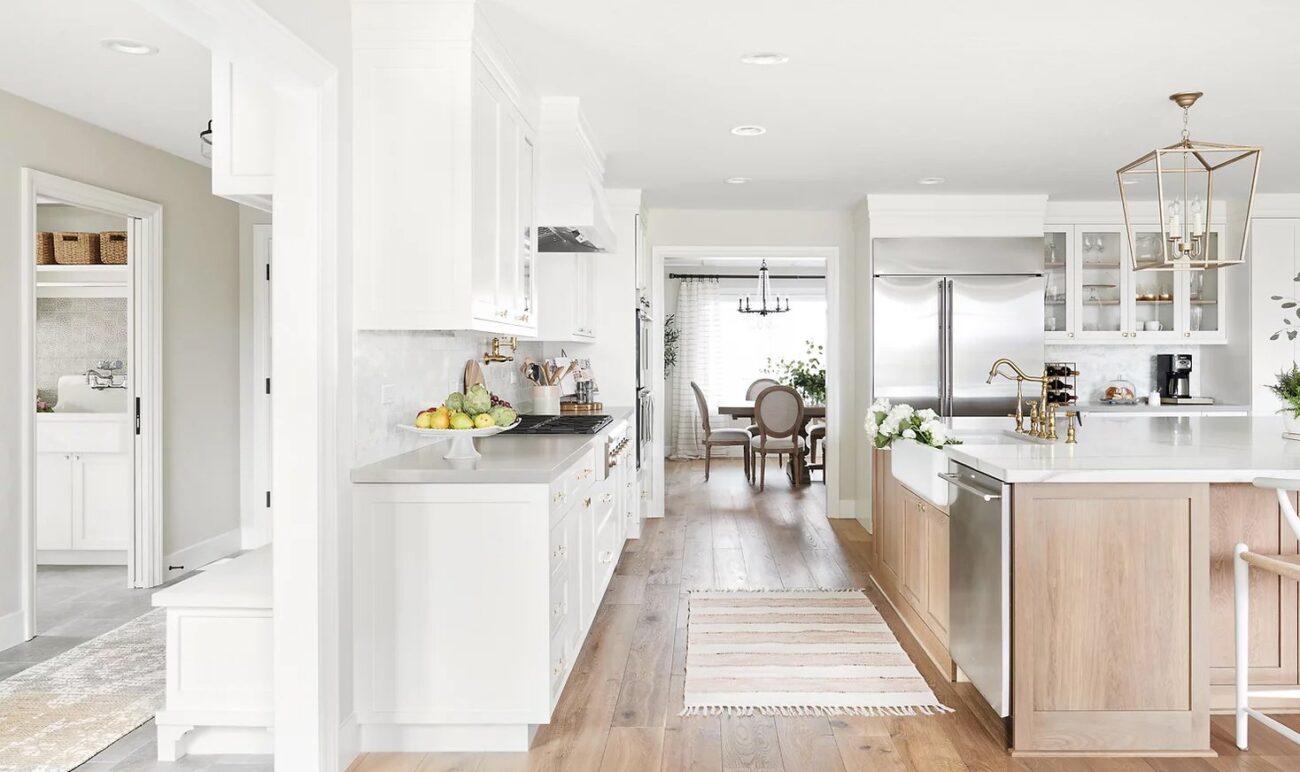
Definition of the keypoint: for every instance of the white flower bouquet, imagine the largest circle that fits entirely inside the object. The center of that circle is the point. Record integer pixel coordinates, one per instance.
(886, 422)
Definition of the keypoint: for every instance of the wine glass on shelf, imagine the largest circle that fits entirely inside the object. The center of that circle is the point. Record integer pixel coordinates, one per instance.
(1197, 313)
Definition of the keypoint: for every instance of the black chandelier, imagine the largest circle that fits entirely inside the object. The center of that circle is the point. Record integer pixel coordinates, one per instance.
(764, 292)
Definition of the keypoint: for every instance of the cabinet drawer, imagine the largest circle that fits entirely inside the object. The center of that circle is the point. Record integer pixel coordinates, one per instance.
(571, 485)
(561, 601)
(561, 544)
(560, 662)
(82, 436)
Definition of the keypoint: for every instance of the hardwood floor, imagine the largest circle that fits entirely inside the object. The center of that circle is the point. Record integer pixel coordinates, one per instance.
(619, 710)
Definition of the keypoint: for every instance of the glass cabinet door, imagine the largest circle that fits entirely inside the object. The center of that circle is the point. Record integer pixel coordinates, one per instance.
(1205, 293)
(1058, 312)
(1155, 295)
(1101, 283)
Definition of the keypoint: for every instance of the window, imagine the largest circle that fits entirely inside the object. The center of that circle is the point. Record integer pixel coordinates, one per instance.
(746, 342)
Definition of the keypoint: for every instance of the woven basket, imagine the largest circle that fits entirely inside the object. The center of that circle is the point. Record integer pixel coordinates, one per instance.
(45, 248)
(112, 247)
(76, 248)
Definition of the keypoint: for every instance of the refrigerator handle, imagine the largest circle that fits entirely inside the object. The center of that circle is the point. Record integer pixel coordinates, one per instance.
(948, 355)
(943, 347)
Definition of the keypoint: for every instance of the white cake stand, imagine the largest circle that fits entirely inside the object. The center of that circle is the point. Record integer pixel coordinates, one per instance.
(461, 447)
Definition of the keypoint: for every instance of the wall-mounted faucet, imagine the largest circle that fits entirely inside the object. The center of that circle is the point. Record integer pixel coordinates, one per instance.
(495, 354)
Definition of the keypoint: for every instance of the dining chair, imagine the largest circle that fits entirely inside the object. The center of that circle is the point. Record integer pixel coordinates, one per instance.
(1287, 566)
(752, 393)
(816, 436)
(779, 413)
(720, 438)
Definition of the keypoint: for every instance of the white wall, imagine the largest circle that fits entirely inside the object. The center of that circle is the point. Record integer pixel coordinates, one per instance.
(789, 228)
(200, 319)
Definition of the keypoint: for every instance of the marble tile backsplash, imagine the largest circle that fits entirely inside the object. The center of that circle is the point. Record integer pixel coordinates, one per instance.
(422, 368)
(1098, 365)
(72, 334)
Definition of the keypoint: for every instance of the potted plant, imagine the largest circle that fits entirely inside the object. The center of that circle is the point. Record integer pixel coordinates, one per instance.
(1287, 389)
(917, 439)
(806, 376)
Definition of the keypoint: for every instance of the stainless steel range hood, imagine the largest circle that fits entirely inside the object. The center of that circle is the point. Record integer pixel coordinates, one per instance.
(572, 213)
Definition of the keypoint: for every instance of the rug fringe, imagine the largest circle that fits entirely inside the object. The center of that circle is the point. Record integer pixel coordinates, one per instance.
(767, 589)
(826, 711)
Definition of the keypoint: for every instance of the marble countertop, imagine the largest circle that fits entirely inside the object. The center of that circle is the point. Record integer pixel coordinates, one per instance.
(1172, 449)
(506, 458)
(1218, 407)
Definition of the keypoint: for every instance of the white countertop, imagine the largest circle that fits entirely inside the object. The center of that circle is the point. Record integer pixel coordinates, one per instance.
(506, 458)
(1142, 407)
(241, 582)
(1116, 449)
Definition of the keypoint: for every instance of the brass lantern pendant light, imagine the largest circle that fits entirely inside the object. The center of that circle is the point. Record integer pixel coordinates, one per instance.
(1183, 181)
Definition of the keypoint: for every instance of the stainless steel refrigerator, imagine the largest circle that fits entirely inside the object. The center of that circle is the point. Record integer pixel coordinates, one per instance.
(944, 309)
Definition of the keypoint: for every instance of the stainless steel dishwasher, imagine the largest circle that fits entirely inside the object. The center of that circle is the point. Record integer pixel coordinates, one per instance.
(979, 575)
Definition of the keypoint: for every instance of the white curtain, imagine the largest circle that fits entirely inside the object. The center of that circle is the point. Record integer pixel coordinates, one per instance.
(697, 319)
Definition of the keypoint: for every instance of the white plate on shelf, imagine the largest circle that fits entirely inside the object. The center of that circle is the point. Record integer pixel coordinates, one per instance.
(462, 440)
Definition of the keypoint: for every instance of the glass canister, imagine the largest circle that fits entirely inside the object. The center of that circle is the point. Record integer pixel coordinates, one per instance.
(1119, 391)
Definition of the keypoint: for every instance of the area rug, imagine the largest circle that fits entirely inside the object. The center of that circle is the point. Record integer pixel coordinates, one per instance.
(57, 714)
(797, 653)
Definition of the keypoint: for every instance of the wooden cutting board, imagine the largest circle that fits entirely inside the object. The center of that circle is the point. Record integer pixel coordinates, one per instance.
(473, 374)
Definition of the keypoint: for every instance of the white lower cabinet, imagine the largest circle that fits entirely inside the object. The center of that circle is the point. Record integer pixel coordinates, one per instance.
(84, 493)
(472, 602)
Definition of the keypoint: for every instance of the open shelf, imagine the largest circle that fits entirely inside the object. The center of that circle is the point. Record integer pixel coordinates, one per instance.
(96, 267)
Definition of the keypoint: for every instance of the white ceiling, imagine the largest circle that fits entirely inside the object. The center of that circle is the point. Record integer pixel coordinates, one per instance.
(1008, 96)
(50, 53)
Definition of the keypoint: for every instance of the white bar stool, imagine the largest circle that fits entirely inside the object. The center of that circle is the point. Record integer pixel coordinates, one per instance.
(1282, 565)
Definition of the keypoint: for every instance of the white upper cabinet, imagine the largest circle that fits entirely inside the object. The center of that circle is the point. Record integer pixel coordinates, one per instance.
(1093, 294)
(445, 154)
(242, 150)
(568, 289)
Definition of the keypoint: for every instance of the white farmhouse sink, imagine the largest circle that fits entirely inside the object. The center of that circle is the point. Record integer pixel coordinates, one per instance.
(76, 396)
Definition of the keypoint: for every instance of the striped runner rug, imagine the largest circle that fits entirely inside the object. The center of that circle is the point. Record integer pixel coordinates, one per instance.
(797, 653)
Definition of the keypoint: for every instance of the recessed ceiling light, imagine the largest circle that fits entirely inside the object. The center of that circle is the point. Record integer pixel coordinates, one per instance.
(931, 181)
(748, 131)
(737, 180)
(130, 47)
(765, 57)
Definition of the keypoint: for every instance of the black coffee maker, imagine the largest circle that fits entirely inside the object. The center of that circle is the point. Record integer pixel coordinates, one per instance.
(1174, 376)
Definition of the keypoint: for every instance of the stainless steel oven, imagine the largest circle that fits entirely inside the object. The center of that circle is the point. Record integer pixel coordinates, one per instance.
(643, 335)
(645, 419)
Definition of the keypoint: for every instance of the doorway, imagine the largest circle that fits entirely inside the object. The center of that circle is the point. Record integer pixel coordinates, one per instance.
(91, 482)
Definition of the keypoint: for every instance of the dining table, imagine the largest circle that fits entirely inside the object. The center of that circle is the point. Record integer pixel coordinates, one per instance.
(745, 409)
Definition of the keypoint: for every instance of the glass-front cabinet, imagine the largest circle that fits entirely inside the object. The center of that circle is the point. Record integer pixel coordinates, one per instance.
(1092, 294)
(1058, 285)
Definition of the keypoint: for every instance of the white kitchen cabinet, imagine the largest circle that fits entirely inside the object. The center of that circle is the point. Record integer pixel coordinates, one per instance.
(1092, 293)
(83, 503)
(472, 601)
(242, 150)
(567, 290)
(446, 176)
(1274, 265)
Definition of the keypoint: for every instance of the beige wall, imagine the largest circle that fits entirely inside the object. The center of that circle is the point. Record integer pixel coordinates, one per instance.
(200, 318)
(788, 228)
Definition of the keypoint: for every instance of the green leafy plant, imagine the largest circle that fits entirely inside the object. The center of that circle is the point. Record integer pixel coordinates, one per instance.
(672, 340)
(1289, 306)
(1287, 389)
(806, 376)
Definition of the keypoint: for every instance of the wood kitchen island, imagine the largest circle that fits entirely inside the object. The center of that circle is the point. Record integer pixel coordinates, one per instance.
(1120, 577)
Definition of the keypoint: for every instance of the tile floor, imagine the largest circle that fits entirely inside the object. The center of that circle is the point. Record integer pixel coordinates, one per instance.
(75, 604)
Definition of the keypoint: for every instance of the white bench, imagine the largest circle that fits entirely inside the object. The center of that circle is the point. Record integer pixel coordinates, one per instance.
(219, 660)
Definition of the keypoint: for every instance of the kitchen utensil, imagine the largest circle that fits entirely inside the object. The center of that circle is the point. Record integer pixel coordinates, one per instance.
(473, 374)
(1153, 326)
(546, 400)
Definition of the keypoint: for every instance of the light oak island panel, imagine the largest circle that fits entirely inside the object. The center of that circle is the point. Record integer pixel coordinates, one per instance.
(1109, 644)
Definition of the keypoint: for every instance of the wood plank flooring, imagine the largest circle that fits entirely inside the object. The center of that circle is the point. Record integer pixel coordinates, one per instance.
(619, 709)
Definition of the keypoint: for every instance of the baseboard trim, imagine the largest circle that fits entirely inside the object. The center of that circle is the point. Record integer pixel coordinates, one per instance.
(81, 558)
(349, 742)
(11, 630)
(199, 555)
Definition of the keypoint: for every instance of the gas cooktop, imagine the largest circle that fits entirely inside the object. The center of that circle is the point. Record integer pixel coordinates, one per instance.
(560, 424)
